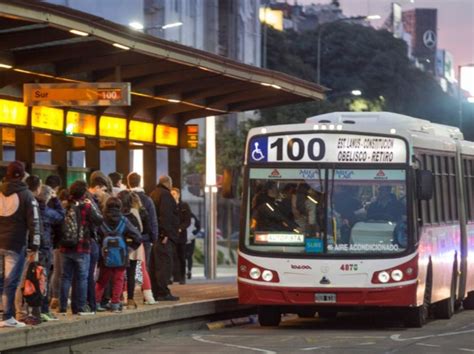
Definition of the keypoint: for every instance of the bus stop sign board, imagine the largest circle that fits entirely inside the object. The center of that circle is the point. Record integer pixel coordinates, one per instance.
(77, 94)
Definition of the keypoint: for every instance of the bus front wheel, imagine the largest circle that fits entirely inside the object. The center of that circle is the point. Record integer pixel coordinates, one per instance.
(269, 316)
(418, 316)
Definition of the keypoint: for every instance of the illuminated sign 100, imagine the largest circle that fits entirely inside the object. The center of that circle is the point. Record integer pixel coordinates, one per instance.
(295, 149)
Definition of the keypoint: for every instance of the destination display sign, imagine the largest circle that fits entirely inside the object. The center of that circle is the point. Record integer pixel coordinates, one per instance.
(343, 148)
(77, 94)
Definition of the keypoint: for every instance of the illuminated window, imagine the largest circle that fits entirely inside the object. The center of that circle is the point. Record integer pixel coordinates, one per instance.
(47, 118)
(140, 131)
(166, 135)
(12, 112)
(113, 127)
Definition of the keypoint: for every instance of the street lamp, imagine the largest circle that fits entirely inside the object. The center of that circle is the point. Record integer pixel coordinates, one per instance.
(355, 92)
(320, 30)
(465, 82)
(138, 26)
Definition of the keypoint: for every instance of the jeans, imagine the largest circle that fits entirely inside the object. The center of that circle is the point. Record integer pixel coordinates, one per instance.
(57, 274)
(147, 246)
(91, 277)
(46, 260)
(11, 268)
(74, 264)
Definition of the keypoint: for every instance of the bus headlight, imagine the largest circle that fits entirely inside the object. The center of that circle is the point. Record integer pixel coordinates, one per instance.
(254, 273)
(397, 275)
(267, 275)
(384, 277)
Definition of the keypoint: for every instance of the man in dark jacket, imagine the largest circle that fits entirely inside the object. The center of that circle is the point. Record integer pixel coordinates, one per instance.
(133, 181)
(19, 233)
(161, 264)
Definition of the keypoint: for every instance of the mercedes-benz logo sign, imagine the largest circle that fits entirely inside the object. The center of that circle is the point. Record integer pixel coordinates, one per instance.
(429, 39)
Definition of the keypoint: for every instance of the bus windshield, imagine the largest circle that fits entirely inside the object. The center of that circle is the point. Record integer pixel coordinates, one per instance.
(327, 211)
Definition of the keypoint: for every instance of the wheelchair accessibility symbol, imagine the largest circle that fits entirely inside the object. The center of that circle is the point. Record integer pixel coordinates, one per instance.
(258, 149)
(257, 154)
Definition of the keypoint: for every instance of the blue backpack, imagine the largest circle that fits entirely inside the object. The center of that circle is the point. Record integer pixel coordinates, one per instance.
(114, 248)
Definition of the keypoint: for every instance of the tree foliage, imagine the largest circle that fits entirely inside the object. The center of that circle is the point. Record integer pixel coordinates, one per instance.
(356, 57)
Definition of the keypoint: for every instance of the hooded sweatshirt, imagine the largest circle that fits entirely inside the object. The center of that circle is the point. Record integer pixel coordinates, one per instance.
(19, 217)
(112, 217)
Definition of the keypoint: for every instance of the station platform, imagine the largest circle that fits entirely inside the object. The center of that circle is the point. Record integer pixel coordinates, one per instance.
(199, 298)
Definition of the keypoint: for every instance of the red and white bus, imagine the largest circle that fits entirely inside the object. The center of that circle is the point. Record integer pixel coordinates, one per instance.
(357, 210)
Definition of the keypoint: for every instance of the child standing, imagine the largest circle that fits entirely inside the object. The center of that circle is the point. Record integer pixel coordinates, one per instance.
(115, 236)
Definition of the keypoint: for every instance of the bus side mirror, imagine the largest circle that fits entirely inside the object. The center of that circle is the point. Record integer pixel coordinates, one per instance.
(424, 184)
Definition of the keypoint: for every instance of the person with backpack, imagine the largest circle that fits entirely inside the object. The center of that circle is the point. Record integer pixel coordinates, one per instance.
(116, 234)
(98, 194)
(80, 215)
(134, 181)
(22, 307)
(131, 211)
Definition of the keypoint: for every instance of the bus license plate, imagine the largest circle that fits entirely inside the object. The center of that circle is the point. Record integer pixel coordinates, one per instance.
(323, 297)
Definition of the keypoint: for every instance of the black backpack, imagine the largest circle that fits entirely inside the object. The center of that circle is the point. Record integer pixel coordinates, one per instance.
(71, 231)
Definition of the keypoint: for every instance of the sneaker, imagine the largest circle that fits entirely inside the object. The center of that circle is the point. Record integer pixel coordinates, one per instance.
(168, 297)
(32, 320)
(99, 308)
(116, 308)
(48, 316)
(12, 323)
(148, 298)
(188, 275)
(86, 311)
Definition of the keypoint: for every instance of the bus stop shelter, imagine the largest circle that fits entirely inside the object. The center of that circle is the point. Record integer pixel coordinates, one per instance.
(170, 84)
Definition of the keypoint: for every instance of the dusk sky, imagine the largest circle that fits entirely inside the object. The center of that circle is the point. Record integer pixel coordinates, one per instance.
(455, 21)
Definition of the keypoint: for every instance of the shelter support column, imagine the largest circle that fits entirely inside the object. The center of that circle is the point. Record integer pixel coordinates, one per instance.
(59, 147)
(93, 154)
(210, 250)
(25, 147)
(122, 157)
(1, 144)
(174, 166)
(149, 168)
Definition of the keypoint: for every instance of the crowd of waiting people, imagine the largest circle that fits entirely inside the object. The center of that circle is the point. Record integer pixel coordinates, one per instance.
(83, 247)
